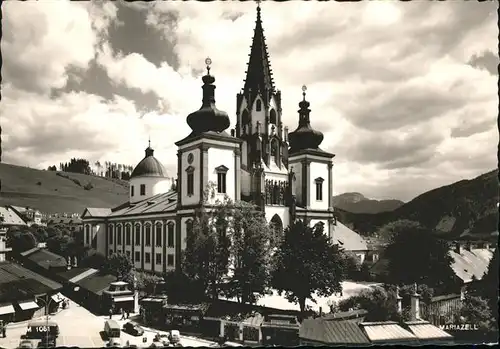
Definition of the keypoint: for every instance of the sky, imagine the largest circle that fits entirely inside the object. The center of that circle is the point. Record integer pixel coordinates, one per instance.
(404, 92)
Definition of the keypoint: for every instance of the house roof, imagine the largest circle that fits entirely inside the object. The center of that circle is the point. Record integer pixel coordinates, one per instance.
(96, 283)
(387, 331)
(344, 315)
(64, 220)
(11, 272)
(424, 330)
(348, 239)
(97, 212)
(332, 332)
(165, 202)
(73, 272)
(45, 258)
(8, 216)
(471, 263)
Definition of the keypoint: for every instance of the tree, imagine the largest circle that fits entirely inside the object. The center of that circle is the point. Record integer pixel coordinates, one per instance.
(146, 282)
(475, 310)
(182, 289)
(20, 240)
(94, 259)
(387, 232)
(418, 256)
(380, 304)
(61, 245)
(250, 252)
(306, 263)
(206, 258)
(119, 265)
(487, 287)
(352, 266)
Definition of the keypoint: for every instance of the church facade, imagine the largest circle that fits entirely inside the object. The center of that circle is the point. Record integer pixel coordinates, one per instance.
(287, 175)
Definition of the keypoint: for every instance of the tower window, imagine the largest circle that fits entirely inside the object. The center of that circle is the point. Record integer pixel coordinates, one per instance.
(221, 178)
(190, 180)
(131, 190)
(143, 189)
(170, 235)
(148, 235)
(319, 188)
(258, 105)
(272, 117)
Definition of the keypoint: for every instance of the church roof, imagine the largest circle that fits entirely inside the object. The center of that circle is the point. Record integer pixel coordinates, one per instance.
(149, 166)
(160, 203)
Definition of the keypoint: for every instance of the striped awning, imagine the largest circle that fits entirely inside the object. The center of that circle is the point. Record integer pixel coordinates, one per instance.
(28, 305)
(123, 298)
(7, 309)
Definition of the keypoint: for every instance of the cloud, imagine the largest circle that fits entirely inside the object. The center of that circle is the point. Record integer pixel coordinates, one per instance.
(405, 93)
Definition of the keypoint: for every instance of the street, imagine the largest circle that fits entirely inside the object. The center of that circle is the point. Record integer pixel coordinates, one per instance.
(79, 327)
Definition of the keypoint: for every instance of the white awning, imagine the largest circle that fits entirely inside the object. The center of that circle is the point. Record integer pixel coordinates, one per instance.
(124, 299)
(28, 305)
(7, 309)
(58, 297)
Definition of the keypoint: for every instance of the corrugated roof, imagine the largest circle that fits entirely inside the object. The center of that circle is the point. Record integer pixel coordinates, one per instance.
(64, 220)
(386, 332)
(9, 217)
(96, 283)
(471, 263)
(71, 273)
(20, 272)
(426, 331)
(343, 315)
(332, 332)
(165, 202)
(46, 259)
(348, 239)
(83, 275)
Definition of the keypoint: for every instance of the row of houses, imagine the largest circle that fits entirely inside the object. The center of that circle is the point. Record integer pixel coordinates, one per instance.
(31, 216)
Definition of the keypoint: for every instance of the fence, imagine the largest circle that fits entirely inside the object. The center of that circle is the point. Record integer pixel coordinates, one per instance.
(442, 309)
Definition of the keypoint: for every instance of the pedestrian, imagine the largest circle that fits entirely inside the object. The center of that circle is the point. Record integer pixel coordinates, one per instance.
(128, 313)
(110, 312)
(4, 331)
(123, 314)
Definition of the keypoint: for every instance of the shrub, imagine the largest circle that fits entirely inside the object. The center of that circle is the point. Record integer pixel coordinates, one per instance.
(88, 186)
(38, 183)
(77, 182)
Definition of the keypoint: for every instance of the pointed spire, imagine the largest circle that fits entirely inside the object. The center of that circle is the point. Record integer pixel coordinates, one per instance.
(259, 73)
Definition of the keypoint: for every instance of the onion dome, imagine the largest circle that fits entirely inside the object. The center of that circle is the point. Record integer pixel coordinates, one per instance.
(304, 137)
(208, 118)
(149, 166)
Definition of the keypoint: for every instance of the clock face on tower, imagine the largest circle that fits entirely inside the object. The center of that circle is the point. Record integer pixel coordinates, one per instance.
(190, 158)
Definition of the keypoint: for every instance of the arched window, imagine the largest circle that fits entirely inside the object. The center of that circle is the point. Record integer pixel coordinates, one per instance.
(158, 241)
(110, 234)
(148, 234)
(272, 117)
(258, 105)
(127, 235)
(274, 150)
(170, 234)
(87, 234)
(137, 238)
(119, 234)
(245, 117)
(276, 225)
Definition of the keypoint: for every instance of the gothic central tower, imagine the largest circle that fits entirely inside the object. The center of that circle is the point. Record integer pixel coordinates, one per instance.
(258, 110)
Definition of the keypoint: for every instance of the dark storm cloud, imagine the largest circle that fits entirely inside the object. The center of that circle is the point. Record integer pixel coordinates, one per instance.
(135, 35)
(389, 151)
(487, 60)
(95, 81)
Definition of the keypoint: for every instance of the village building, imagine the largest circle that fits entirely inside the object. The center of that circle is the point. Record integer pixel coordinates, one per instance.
(287, 175)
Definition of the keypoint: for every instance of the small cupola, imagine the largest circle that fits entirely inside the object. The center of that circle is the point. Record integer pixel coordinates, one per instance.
(304, 137)
(208, 117)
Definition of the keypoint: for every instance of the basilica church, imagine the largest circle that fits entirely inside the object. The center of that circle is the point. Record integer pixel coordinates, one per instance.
(286, 174)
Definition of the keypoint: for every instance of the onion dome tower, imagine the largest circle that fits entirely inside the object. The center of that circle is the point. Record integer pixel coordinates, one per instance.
(208, 118)
(304, 137)
(208, 154)
(148, 178)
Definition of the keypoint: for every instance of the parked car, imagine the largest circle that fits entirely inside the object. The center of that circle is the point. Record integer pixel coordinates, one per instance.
(175, 336)
(25, 344)
(114, 343)
(133, 328)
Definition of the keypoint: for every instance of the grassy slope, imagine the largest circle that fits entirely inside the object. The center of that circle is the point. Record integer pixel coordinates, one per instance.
(58, 194)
